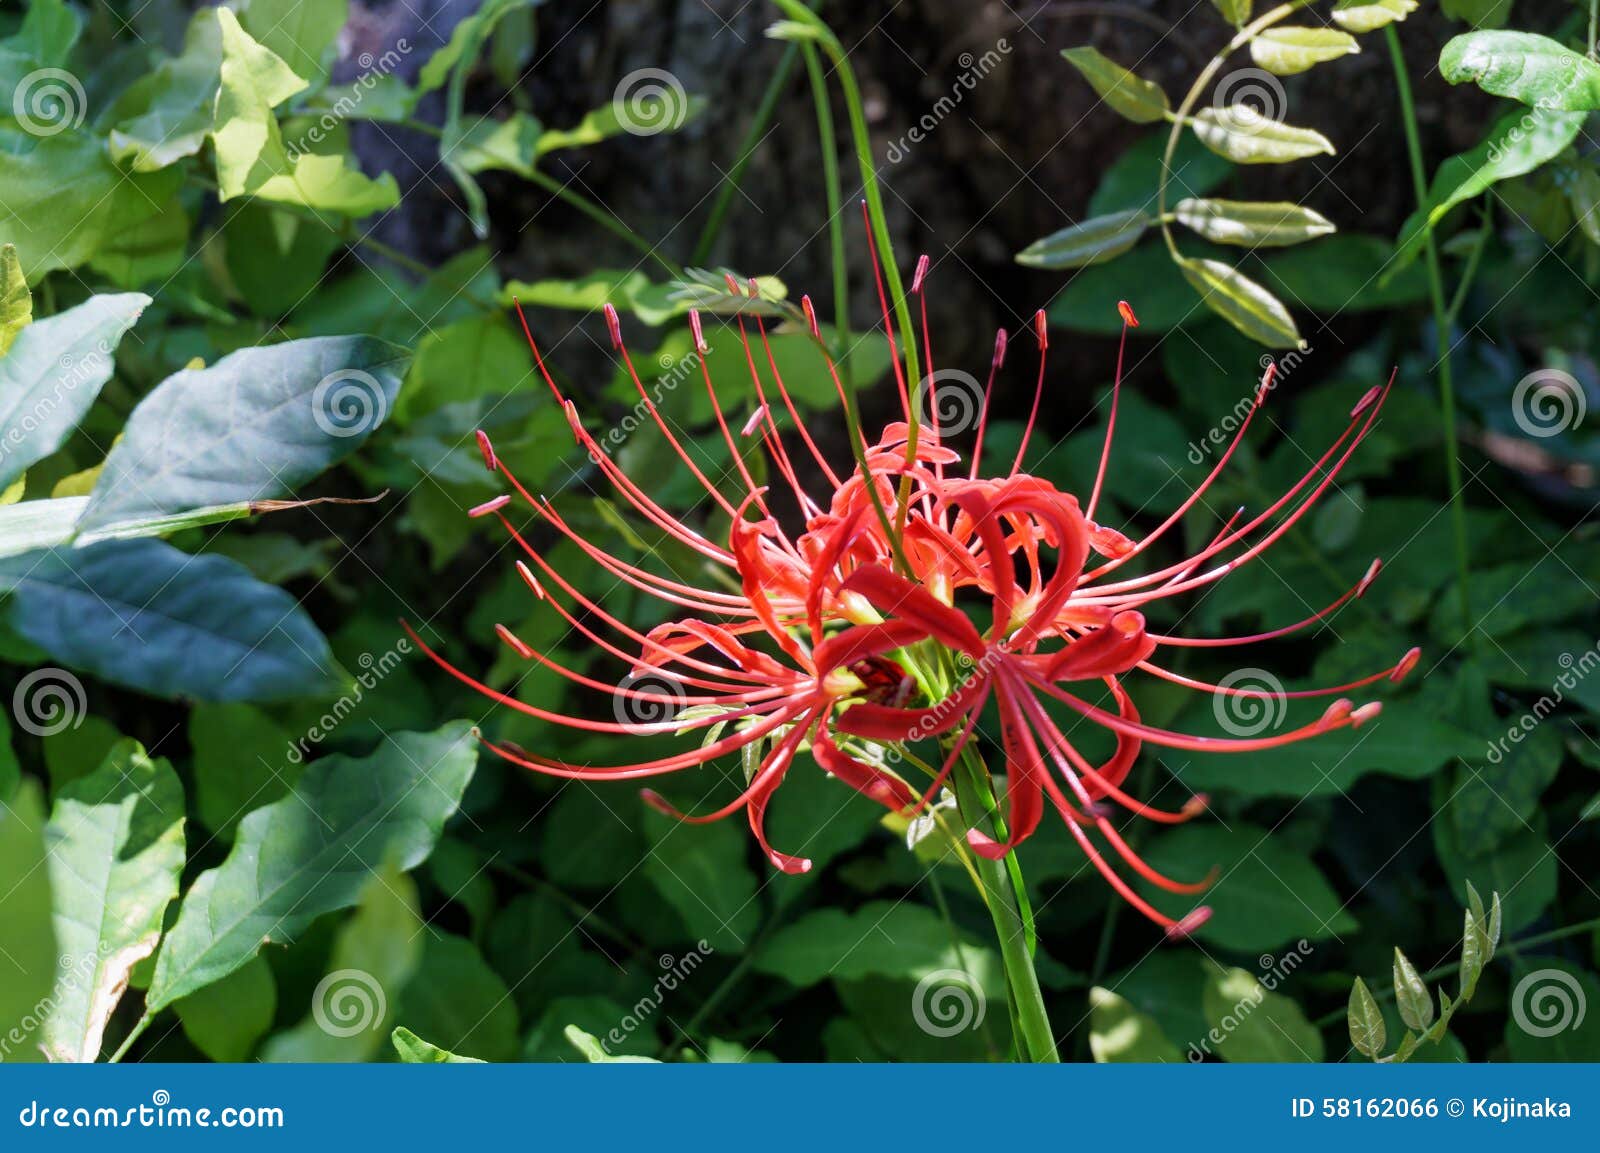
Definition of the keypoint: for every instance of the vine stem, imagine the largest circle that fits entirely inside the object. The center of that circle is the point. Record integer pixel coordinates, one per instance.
(1441, 324)
(1002, 893)
(133, 1035)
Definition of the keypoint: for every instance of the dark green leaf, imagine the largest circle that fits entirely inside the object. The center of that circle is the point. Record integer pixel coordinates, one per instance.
(226, 1019)
(1256, 1024)
(26, 932)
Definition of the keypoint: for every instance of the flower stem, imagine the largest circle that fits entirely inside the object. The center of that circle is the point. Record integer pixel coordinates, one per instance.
(1003, 893)
(1441, 324)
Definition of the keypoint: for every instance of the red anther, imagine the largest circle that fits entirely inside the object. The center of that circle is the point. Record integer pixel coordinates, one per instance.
(811, 317)
(922, 271)
(1365, 402)
(1338, 711)
(490, 461)
(657, 802)
(532, 581)
(700, 345)
(999, 347)
(1039, 330)
(1184, 926)
(514, 642)
(733, 283)
(756, 417)
(614, 324)
(1365, 713)
(1267, 379)
(755, 289)
(1371, 575)
(1407, 663)
(490, 506)
(1128, 317)
(1196, 805)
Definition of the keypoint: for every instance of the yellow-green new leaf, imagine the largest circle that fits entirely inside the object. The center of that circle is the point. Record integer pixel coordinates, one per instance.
(1090, 242)
(1411, 994)
(1245, 136)
(16, 302)
(1286, 51)
(1252, 223)
(1242, 303)
(1369, 15)
(1367, 1032)
(1235, 12)
(1138, 100)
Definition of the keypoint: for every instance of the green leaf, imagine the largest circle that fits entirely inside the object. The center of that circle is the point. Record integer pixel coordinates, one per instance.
(880, 939)
(1553, 1013)
(1268, 892)
(301, 34)
(116, 847)
(593, 1051)
(253, 426)
(1256, 1024)
(1130, 181)
(227, 1019)
(165, 115)
(413, 1050)
(16, 302)
(1523, 66)
(1244, 136)
(141, 613)
(509, 145)
(313, 852)
(1242, 303)
(1367, 1032)
(1495, 799)
(702, 872)
(466, 40)
(1136, 99)
(1342, 274)
(1411, 995)
(1478, 13)
(1515, 145)
(27, 935)
(54, 370)
(459, 1001)
(1360, 16)
(670, 109)
(1089, 242)
(374, 957)
(1289, 49)
(1253, 224)
(1235, 12)
(1472, 958)
(1119, 1032)
(243, 759)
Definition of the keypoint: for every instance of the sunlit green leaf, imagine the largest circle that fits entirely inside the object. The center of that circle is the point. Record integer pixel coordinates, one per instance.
(1411, 994)
(1252, 223)
(1286, 49)
(1369, 15)
(1089, 242)
(1523, 66)
(16, 302)
(1119, 1032)
(1138, 100)
(1245, 136)
(1367, 1031)
(1242, 303)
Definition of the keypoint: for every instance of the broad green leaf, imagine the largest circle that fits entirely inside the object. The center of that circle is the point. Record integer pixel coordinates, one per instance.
(165, 115)
(671, 109)
(78, 750)
(1494, 798)
(1242, 303)
(880, 939)
(1257, 1024)
(227, 1019)
(1367, 1031)
(1146, 275)
(587, 293)
(1288, 49)
(1245, 136)
(1524, 865)
(65, 200)
(1253, 224)
(299, 33)
(1267, 892)
(413, 1050)
(374, 956)
(1136, 99)
(253, 426)
(1130, 181)
(1523, 66)
(1119, 1032)
(1478, 13)
(486, 145)
(27, 935)
(276, 258)
(1342, 274)
(1360, 16)
(702, 872)
(37, 524)
(314, 852)
(589, 1045)
(1235, 12)
(1516, 144)
(141, 613)
(16, 302)
(52, 374)
(466, 40)
(116, 849)
(459, 1001)
(243, 759)
(1411, 995)
(1089, 242)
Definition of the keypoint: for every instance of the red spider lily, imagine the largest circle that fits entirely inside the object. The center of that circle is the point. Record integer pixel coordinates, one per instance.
(832, 624)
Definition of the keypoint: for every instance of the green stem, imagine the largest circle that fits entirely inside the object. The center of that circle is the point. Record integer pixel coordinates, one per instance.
(133, 1035)
(830, 182)
(937, 887)
(1441, 321)
(1003, 894)
(1470, 270)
